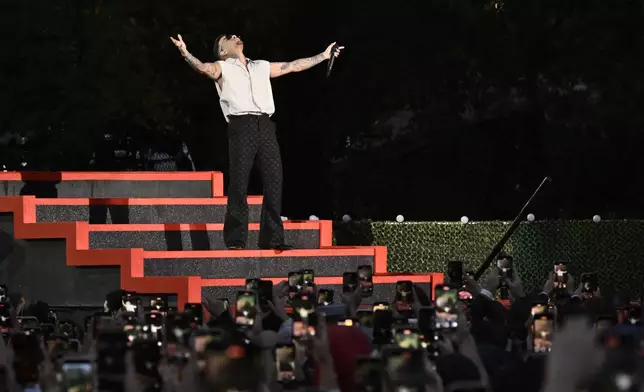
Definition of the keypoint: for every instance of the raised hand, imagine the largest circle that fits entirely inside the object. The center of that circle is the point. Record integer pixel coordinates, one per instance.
(492, 280)
(472, 285)
(515, 285)
(277, 305)
(132, 383)
(327, 53)
(321, 350)
(178, 42)
(575, 356)
(215, 307)
(549, 286)
(353, 300)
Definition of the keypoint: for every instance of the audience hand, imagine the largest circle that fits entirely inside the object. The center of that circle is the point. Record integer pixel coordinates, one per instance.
(280, 290)
(516, 286)
(492, 280)
(6, 354)
(170, 377)
(190, 376)
(491, 283)
(132, 383)
(321, 349)
(353, 300)
(445, 345)
(322, 356)
(549, 285)
(278, 304)
(575, 356)
(315, 292)
(580, 291)
(472, 285)
(570, 285)
(434, 383)
(214, 307)
(257, 324)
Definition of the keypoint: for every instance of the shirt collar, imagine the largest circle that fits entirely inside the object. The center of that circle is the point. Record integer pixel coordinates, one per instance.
(232, 60)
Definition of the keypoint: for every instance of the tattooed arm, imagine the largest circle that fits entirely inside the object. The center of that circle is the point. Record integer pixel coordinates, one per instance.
(212, 70)
(279, 69)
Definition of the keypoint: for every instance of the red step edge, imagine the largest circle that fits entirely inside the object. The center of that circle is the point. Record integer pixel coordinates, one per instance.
(216, 178)
(188, 289)
(133, 201)
(288, 225)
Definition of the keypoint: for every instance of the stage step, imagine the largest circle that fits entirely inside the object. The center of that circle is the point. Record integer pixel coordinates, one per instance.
(383, 290)
(184, 237)
(257, 263)
(34, 263)
(139, 211)
(76, 274)
(112, 184)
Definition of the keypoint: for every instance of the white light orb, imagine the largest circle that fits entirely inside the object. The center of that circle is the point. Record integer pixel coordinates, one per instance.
(346, 218)
(314, 218)
(597, 218)
(400, 218)
(531, 217)
(284, 218)
(465, 219)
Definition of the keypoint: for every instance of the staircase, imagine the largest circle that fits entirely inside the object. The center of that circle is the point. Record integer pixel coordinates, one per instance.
(69, 238)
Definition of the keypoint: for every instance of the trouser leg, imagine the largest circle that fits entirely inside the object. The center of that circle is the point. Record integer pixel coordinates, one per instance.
(242, 149)
(270, 167)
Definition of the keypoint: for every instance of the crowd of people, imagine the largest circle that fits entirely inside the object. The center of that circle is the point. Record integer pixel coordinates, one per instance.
(488, 336)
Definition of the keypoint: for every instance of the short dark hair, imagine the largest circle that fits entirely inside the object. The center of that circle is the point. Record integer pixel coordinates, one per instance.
(216, 47)
(114, 300)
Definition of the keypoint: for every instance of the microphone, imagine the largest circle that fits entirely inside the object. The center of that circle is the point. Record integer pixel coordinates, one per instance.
(331, 60)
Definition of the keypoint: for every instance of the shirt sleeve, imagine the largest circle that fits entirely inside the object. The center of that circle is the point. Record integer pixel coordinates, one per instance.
(265, 67)
(222, 65)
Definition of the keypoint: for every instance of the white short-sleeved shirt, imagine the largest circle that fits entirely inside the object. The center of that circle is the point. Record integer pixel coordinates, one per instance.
(245, 90)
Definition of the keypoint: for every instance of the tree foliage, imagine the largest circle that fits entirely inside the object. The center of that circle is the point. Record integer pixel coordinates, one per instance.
(501, 92)
(507, 94)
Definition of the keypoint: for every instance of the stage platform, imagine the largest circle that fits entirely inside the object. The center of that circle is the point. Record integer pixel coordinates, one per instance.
(69, 238)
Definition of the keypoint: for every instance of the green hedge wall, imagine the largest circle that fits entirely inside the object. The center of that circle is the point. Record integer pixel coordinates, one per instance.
(613, 249)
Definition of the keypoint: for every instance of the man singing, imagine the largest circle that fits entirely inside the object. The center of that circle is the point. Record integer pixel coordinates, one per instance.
(246, 99)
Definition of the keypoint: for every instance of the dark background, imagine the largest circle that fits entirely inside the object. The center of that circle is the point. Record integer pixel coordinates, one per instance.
(436, 109)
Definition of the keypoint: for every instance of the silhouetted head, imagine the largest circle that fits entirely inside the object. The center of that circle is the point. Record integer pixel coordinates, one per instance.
(113, 301)
(228, 45)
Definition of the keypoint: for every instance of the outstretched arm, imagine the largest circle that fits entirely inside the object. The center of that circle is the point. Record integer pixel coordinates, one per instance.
(212, 70)
(279, 69)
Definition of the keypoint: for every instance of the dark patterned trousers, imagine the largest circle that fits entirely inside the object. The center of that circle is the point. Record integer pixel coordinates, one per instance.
(252, 138)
